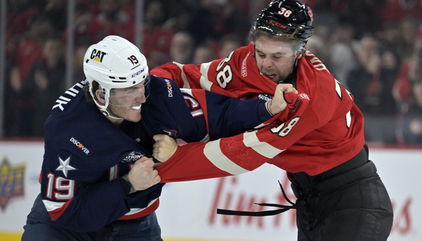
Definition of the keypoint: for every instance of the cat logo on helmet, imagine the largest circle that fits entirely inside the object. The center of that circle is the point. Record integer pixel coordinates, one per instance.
(97, 55)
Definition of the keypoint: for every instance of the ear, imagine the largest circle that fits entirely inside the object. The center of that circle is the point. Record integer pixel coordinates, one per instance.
(100, 96)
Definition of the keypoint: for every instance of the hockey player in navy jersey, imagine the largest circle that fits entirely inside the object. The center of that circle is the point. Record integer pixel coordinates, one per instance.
(97, 182)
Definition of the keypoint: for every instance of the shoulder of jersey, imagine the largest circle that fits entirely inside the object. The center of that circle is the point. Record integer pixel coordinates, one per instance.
(162, 86)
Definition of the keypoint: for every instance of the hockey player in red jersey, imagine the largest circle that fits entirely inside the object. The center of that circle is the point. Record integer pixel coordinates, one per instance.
(322, 147)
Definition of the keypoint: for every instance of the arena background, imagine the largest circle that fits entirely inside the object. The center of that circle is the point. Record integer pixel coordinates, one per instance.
(374, 47)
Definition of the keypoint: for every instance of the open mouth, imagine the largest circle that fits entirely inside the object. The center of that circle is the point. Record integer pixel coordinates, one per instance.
(136, 107)
(271, 76)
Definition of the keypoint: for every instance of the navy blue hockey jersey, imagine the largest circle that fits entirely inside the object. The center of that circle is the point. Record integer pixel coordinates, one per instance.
(85, 154)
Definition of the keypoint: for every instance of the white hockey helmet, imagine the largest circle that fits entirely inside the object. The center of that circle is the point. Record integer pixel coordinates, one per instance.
(114, 63)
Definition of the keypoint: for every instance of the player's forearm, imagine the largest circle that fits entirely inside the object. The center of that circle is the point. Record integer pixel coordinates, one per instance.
(189, 163)
(238, 116)
(199, 160)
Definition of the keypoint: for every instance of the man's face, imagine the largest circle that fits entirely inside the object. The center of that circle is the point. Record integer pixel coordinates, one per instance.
(275, 58)
(126, 103)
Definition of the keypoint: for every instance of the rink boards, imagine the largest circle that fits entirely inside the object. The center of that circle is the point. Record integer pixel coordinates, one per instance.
(188, 210)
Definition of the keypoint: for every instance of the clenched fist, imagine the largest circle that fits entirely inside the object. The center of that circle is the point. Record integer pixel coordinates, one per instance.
(142, 175)
(164, 147)
(279, 103)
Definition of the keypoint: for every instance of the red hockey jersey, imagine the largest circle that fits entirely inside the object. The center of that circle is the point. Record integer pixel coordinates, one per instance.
(321, 134)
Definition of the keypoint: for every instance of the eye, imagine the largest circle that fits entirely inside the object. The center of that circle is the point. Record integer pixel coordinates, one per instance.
(130, 91)
(261, 55)
(138, 88)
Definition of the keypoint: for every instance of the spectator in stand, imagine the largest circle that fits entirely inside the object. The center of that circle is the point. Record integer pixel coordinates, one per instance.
(234, 18)
(109, 19)
(78, 57)
(46, 83)
(22, 48)
(371, 83)
(181, 49)
(127, 7)
(318, 43)
(86, 28)
(182, 19)
(363, 80)
(408, 30)
(29, 49)
(412, 119)
(411, 104)
(228, 43)
(203, 53)
(366, 84)
(56, 10)
(342, 58)
(156, 39)
(18, 105)
(389, 69)
(217, 18)
(363, 15)
(415, 71)
(19, 18)
(390, 37)
(403, 90)
(396, 10)
(23, 52)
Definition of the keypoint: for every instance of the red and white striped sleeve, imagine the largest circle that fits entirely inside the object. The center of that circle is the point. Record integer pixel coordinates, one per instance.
(238, 154)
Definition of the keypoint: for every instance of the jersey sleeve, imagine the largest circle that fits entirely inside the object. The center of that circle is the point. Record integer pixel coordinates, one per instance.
(196, 114)
(227, 116)
(240, 153)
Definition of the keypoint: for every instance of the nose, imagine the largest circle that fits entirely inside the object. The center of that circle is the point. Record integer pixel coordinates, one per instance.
(266, 63)
(140, 97)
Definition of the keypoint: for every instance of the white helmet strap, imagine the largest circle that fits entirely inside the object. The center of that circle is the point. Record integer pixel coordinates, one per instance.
(104, 108)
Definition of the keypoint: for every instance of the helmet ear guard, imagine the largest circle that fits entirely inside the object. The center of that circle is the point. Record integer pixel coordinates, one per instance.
(113, 63)
(288, 19)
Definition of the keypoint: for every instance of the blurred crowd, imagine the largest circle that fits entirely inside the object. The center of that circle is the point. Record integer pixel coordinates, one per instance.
(374, 47)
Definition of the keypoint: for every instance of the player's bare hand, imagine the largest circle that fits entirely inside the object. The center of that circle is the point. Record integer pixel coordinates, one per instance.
(164, 147)
(142, 175)
(278, 103)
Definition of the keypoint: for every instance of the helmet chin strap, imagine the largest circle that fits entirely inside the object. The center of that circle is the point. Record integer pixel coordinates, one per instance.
(110, 115)
(103, 108)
